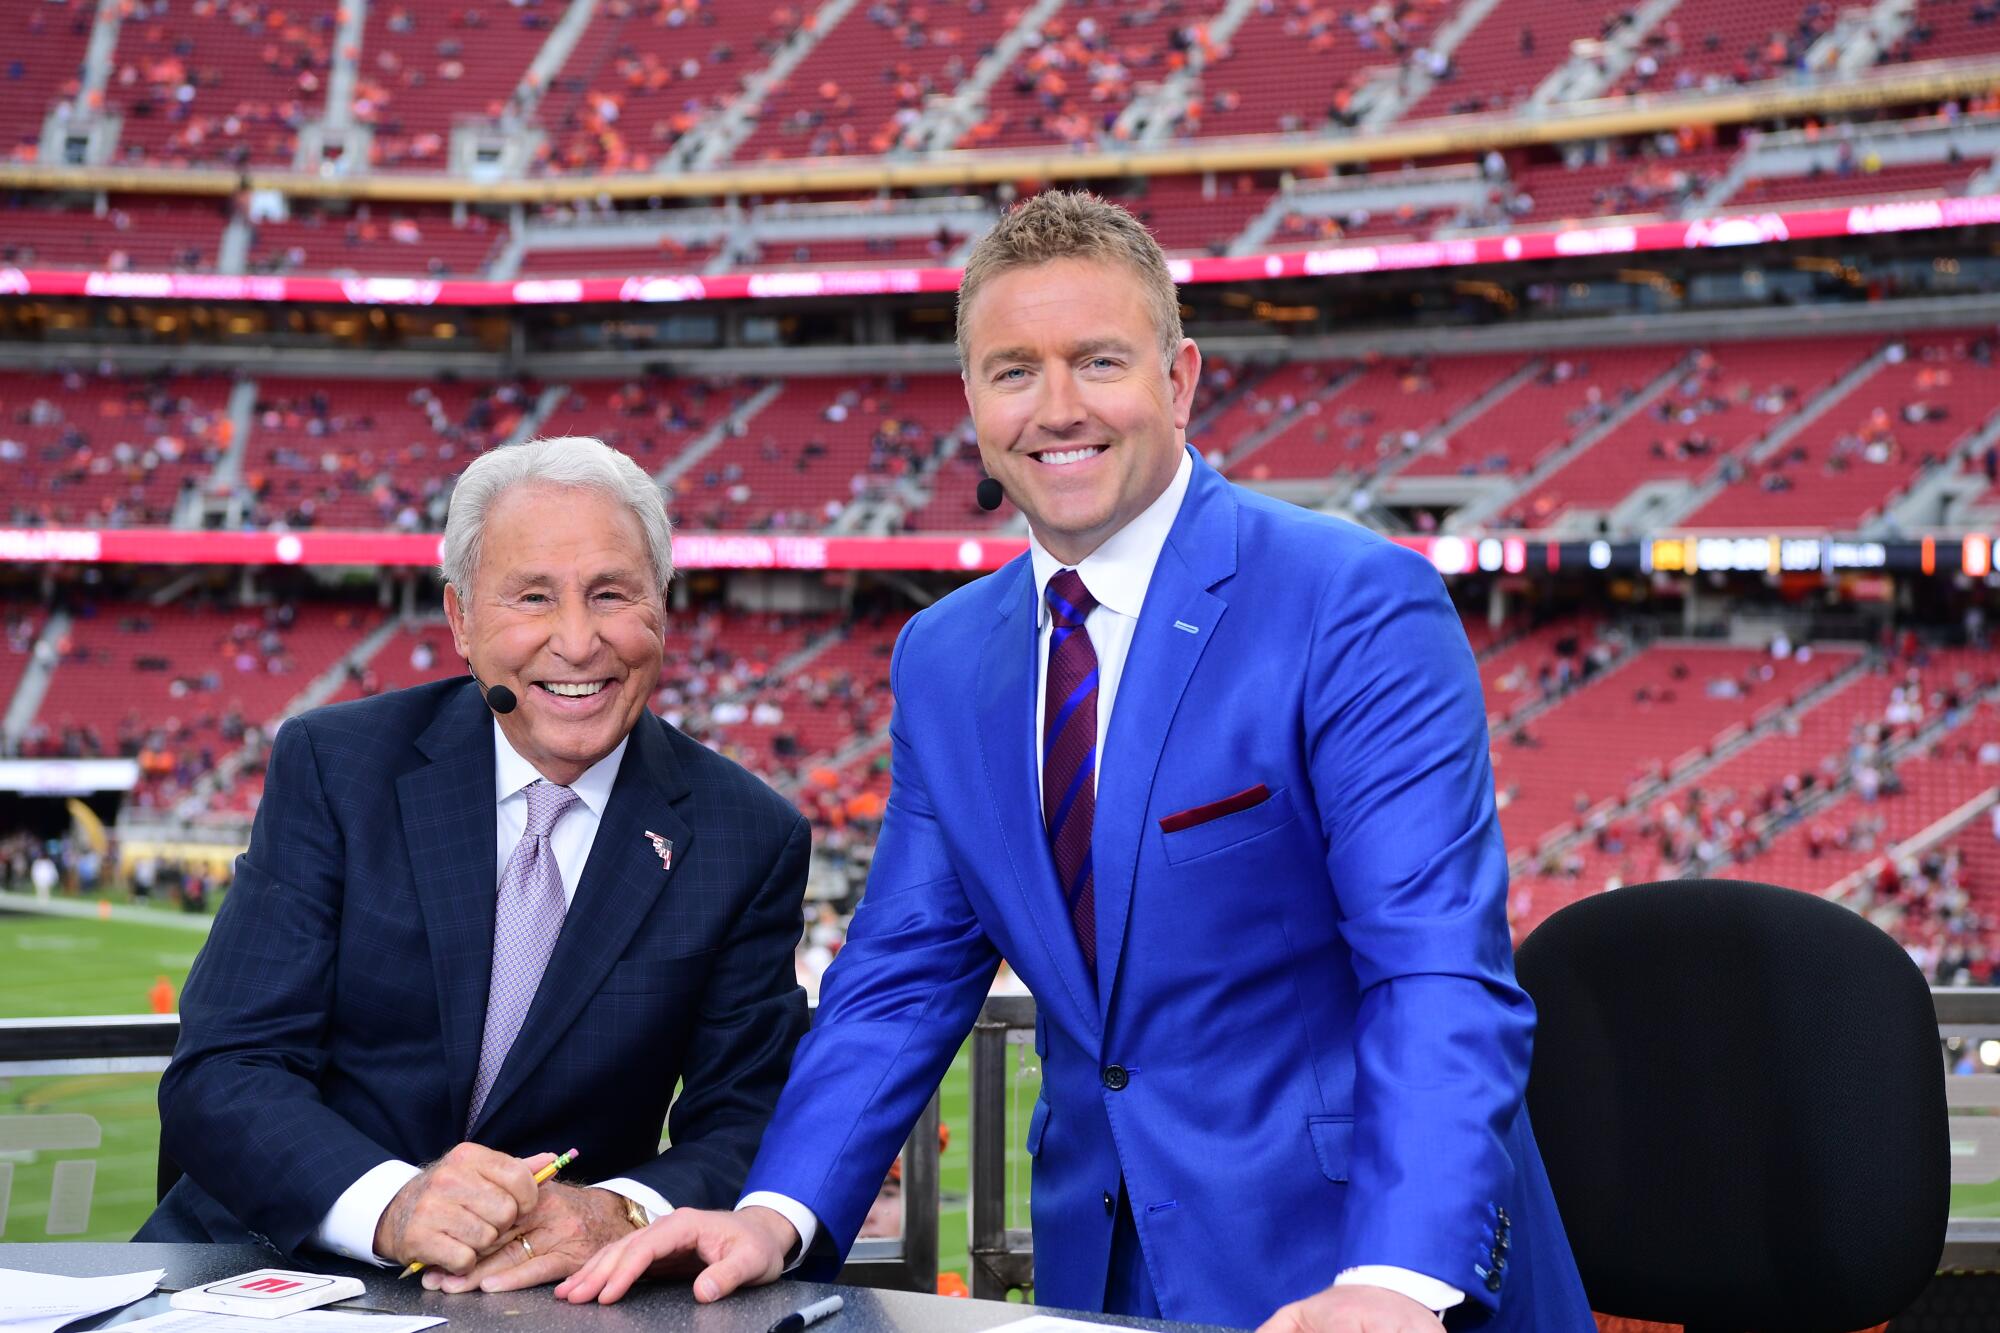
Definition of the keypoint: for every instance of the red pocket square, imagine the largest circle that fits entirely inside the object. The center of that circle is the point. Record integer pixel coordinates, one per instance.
(1228, 805)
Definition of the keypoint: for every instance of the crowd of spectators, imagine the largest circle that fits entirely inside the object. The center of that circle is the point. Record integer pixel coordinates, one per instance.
(1078, 74)
(164, 75)
(1673, 60)
(331, 457)
(88, 448)
(675, 83)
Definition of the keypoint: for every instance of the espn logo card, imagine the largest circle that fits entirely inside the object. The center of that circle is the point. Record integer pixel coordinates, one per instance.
(268, 1293)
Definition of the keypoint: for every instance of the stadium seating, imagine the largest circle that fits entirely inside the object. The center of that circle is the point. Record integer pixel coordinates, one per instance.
(1380, 416)
(427, 66)
(352, 453)
(104, 450)
(45, 53)
(178, 687)
(1572, 392)
(654, 421)
(136, 233)
(615, 262)
(1636, 721)
(1070, 87)
(1928, 179)
(1723, 811)
(1948, 30)
(1201, 215)
(645, 72)
(1857, 457)
(405, 240)
(872, 74)
(818, 445)
(838, 697)
(1254, 87)
(1504, 57)
(1731, 396)
(219, 82)
(1709, 44)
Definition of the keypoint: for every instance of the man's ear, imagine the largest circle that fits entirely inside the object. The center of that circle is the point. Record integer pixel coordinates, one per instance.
(1184, 375)
(454, 614)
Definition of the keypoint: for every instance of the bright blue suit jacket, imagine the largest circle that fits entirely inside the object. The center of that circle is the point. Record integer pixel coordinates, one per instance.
(333, 1019)
(1312, 1000)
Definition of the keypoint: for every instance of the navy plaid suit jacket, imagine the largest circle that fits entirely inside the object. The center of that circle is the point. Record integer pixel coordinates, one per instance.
(332, 1021)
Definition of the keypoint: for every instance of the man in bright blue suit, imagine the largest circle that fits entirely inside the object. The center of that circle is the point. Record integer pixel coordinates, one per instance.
(478, 922)
(1210, 771)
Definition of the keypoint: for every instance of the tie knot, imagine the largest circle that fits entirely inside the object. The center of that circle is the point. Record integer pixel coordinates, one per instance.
(1069, 601)
(546, 803)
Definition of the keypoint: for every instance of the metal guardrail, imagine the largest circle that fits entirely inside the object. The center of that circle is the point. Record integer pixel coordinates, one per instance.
(143, 1043)
(1002, 1257)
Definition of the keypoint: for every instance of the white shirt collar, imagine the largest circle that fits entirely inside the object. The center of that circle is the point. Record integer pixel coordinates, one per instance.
(511, 773)
(1119, 571)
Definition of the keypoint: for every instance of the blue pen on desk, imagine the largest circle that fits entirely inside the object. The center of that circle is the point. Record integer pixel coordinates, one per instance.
(799, 1320)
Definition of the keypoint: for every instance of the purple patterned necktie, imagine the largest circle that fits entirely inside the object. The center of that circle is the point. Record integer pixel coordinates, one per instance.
(1069, 753)
(527, 917)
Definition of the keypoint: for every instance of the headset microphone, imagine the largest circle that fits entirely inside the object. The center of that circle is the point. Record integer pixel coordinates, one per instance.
(498, 697)
(989, 494)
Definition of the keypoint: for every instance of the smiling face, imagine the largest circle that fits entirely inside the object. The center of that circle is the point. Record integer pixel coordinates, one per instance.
(1077, 416)
(564, 611)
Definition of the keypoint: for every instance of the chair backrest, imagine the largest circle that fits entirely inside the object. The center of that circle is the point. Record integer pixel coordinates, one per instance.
(1739, 1095)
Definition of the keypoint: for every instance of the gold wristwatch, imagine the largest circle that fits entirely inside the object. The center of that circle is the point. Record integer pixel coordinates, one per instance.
(635, 1213)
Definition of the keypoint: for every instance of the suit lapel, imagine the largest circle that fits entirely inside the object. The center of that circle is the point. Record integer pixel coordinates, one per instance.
(1176, 624)
(448, 821)
(1006, 731)
(621, 882)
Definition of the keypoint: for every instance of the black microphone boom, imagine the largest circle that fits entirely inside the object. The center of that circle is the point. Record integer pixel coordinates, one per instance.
(989, 494)
(499, 698)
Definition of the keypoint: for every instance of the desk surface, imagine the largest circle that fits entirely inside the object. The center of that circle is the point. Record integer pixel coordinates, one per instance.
(653, 1307)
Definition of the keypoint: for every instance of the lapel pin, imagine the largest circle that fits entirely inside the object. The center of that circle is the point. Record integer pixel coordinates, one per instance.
(664, 846)
(1186, 628)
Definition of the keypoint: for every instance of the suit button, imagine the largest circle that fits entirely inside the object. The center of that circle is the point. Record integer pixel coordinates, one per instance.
(1115, 1077)
(1110, 1204)
(1493, 1280)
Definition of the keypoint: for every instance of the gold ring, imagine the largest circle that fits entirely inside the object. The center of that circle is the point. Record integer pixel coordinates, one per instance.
(529, 1248)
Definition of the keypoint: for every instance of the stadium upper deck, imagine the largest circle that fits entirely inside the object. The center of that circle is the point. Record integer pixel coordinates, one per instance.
(638, 85)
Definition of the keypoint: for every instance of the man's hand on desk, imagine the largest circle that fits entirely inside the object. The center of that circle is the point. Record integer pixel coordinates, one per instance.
(458, 1208)
(567, 1225)
(724, 1250)
(1353, 1309)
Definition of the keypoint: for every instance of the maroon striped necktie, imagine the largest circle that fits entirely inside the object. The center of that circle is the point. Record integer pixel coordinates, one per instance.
(1069, 752)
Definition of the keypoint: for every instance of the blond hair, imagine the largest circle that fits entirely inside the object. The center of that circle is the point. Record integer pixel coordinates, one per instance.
(1072, 224)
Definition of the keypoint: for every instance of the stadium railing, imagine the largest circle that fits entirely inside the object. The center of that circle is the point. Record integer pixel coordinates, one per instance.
(1003, 1071)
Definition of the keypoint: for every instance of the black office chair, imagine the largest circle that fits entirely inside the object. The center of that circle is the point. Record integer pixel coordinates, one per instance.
(1739, 1096)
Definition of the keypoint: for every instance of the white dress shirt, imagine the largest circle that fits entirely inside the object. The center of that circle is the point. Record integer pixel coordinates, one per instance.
(349, 1226)
(1117, 574)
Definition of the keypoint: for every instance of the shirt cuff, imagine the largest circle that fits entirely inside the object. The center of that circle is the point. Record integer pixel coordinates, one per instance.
(644, 1195)
(348, 1229)
(1428, 1292)
(800, 1216)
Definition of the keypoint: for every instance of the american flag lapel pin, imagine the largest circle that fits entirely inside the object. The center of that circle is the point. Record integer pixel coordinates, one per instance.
(664, 846)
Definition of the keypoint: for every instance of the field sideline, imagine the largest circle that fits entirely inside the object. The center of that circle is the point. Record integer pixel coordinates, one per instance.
(62, 966)
(53, 967)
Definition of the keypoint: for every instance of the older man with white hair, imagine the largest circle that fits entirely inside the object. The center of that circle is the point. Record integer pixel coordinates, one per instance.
(489, 919)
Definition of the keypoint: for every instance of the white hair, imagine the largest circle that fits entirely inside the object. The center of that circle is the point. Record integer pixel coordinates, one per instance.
(574, 461)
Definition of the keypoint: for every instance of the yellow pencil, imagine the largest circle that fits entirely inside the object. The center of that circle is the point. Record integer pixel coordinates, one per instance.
(540, 1176)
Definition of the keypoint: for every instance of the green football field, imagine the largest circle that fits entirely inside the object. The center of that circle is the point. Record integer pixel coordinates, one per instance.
(52, 967)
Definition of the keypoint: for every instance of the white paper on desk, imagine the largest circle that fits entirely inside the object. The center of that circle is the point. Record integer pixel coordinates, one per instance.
(1047, 1323)
(311, 1321)
(44, 1302)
